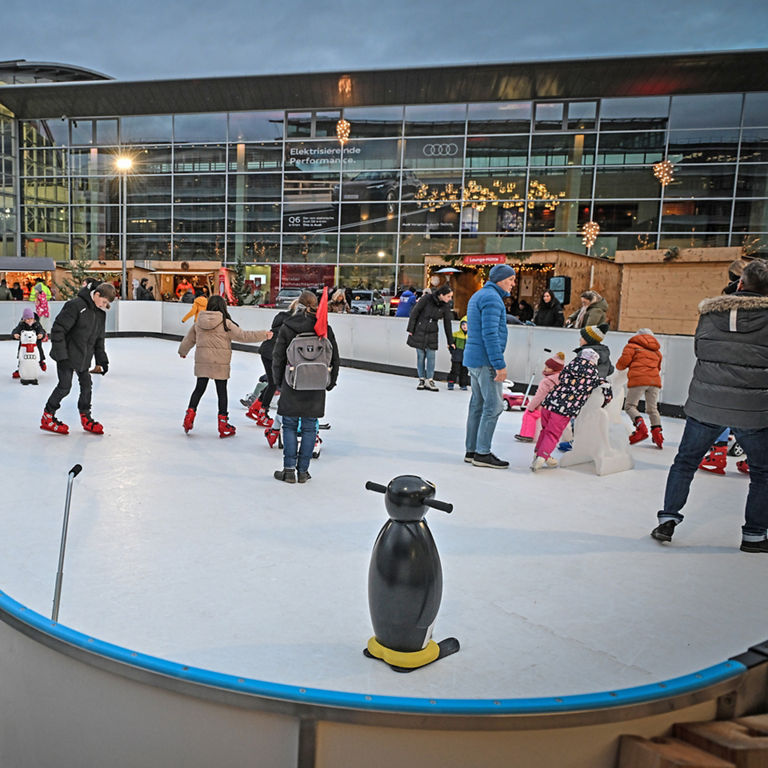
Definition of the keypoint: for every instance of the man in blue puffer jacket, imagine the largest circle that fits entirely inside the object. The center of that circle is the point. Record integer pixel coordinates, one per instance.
(484, 358)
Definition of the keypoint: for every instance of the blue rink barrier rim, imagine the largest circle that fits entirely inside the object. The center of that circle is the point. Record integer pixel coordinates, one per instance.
(398, 704)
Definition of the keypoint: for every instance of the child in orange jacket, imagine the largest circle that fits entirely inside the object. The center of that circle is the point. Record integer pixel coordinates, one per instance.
(642, 357)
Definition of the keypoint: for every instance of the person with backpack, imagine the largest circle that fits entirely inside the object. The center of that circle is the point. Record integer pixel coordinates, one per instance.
(305, 365)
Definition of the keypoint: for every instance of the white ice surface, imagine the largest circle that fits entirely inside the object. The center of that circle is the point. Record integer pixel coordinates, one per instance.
(185, 547)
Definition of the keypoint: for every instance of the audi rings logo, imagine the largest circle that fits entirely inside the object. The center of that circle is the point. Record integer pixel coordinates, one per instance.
(440, 150)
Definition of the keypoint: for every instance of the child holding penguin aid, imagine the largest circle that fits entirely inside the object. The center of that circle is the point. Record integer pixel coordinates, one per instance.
(30, 323)
(577, 381)
(549, 379)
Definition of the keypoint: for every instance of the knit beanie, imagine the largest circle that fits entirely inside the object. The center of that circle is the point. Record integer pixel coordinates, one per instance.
(27, 313)
(594, 333)
(500, 272)
(556, 362)
(590, 354)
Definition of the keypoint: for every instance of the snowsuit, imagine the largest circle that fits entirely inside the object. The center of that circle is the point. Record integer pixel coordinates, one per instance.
(459, 371)
(533, 410)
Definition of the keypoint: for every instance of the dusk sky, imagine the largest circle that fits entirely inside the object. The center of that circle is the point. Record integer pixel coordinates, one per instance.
(146, 40)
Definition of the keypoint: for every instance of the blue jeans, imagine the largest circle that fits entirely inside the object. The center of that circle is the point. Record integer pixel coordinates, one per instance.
(295, 457)
(485, 405)
(425, 363)
(696, 440)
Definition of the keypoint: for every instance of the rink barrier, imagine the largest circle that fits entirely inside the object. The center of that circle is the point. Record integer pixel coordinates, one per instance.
(378, 343)
(57, 679)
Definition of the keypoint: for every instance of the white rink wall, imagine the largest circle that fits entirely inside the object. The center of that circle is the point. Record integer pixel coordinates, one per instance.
(380, 341)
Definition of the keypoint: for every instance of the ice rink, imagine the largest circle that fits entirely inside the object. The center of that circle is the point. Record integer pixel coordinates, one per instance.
(185, 547)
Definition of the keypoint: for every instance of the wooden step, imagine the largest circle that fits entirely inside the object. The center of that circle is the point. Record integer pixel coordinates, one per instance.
(744, 741)
(637, 752)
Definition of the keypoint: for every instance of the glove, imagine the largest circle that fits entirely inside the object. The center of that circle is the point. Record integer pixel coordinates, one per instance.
(607, 396)
(330, 386)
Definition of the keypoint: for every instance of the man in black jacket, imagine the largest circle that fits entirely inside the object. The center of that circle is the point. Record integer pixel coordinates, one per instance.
(77, 336)
(729, 388)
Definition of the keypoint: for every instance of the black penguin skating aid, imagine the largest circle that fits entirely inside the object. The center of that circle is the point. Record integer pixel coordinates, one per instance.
(405, 579)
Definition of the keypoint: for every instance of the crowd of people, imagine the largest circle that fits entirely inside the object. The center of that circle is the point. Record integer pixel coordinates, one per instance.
(728, 390)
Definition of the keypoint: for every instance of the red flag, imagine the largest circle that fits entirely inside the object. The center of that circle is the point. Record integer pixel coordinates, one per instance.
(321, 324)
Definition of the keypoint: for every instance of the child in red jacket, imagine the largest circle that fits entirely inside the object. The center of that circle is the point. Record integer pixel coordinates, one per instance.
(642, 357)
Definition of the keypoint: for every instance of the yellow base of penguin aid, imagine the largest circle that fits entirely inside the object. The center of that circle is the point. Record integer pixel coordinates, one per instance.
(405, 659)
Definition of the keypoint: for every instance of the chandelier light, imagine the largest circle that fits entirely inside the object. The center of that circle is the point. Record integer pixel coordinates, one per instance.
(342, 131)
(664, 171)
(589, 233)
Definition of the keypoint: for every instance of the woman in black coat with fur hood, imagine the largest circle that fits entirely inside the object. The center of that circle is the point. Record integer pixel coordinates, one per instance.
(424, 332)
(307, 405)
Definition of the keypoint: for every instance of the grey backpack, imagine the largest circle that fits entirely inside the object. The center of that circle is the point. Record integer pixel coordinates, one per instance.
(308, 362)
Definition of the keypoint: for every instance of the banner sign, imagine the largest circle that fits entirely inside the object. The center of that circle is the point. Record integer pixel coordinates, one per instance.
(484, 258)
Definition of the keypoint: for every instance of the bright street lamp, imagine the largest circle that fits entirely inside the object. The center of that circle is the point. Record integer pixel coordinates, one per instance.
(123, 165)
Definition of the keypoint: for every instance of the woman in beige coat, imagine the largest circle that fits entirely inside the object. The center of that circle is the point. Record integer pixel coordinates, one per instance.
(213, 333)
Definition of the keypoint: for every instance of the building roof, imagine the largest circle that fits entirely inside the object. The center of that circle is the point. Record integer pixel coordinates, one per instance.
(724, 72)
(26, 264)
(26, 72)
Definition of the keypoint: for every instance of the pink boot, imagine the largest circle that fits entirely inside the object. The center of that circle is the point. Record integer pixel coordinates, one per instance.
(528, 428)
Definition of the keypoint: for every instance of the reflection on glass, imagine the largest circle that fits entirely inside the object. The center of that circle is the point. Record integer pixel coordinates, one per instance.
(200, 159)
(713, 110)
(571, 183)
(414, 246)
(254, 248)
(310, 248)
(500, 117)
(435, 119)
(253, 218)
(620, 183)
(372, 249)
(581, 115)
(46, 219)
(199, 189)
(44, 162)
(148, 218)
(501, 243)
(44, 133)
(146, 247)
(693, 240)
(312, 156)
(106, 131)
(563, 149)
(696, 216)
(255, 187)
(256, 126)
(308, 216)
(698, 181)
(97, 218)
(198, 218)
(198, 247)
(753, 181)
(563, 217)
(756, 109)
(496, 151)
(549, 116)
(375, 121)
(147, 160)
(310, 187)
(750, 216)
(145, 189)
(82, 131)
(146, 129)
(262, 156)
(627, 216)
(368, 276)
(368, 217)
(371, 155)
(631, 148)
(204, 127)
(634, 113)
(703, 146)
(754, 145)
(437, 220)
(379, 186)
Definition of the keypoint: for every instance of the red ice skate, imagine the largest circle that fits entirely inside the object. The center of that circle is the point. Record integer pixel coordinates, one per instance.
(15, 375)
(89, 425)
(742, 466)
(640, 433)
(189, 419)
(715, 460)
(271, 435)
(259, 414)
(657, 436)
(225, 428)
(51, 424)
(43, 366)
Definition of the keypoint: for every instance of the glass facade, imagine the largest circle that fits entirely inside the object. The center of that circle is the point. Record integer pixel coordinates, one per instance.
(8, 178)
(277, 188)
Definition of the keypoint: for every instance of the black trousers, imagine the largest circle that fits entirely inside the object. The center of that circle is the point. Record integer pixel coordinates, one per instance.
(269, 391)
(221, 391)
(459, 373)
(64, 386)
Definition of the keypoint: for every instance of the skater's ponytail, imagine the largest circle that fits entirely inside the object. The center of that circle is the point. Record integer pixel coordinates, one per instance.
(217, 304)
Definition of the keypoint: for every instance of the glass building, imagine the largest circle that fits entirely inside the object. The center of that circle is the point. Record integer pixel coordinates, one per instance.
(486, 159)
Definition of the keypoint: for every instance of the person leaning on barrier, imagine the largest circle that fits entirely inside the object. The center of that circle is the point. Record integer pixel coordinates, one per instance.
(729, 388)
(593, 311)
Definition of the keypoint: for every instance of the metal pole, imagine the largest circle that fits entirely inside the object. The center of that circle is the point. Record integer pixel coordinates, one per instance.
(73, 473)
(124, 244)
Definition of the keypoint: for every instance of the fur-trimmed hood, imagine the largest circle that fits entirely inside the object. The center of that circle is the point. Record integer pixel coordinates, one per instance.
(739, 301)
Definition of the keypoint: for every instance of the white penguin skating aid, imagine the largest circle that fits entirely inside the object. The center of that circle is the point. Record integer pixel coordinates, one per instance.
(29, 358)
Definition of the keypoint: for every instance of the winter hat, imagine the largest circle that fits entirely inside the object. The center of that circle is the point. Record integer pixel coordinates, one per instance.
(591, 355)
(644, 332)
(500, 272)
(27, 314)
(594, 333)
(556, 362)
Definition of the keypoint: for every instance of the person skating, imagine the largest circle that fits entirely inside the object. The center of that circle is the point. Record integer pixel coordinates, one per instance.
(550, 376)
(301, 405)
(729, 387)
(30, 323)
(213, 334)
(77, 335)
(577, 381)
(484, 358)
(642, 358)
(431, 309)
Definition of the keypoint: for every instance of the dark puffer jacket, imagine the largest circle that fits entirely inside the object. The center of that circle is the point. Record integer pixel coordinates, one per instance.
(730, 380)
(423, 322)
(550, 315)
(305, 402)
(77, 333)
(265, 350)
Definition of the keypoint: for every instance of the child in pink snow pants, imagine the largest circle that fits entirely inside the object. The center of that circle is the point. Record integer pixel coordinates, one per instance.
(532, 413)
